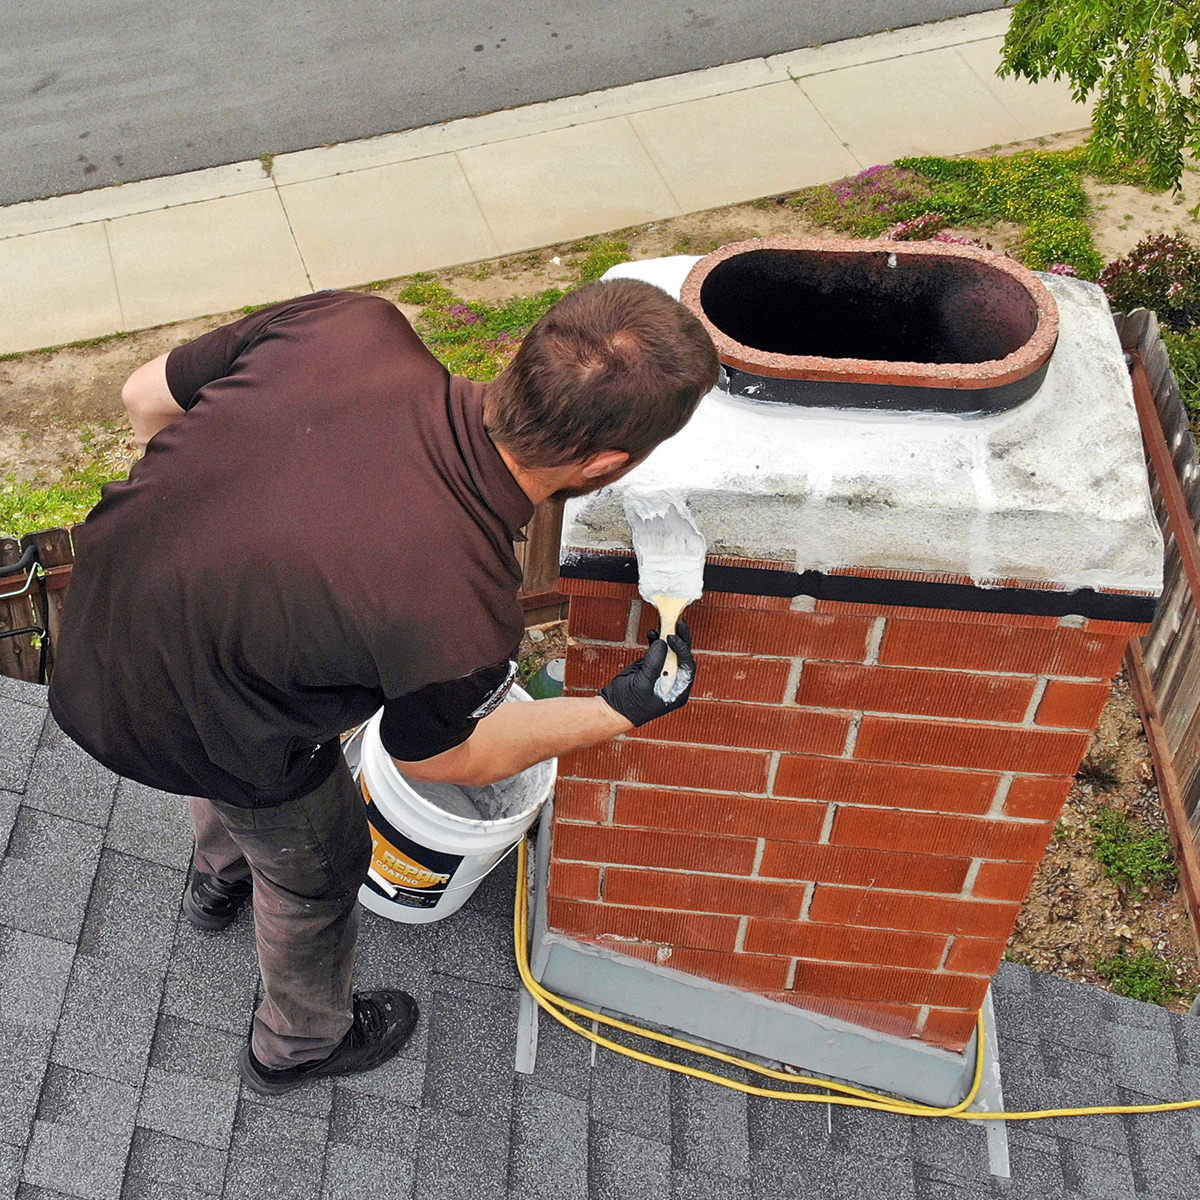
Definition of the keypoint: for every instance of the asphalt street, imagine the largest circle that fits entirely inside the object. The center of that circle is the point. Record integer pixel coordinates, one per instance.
(97, 92)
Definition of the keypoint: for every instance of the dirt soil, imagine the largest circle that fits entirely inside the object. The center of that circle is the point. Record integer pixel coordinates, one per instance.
(61, 408)
(1075, 914)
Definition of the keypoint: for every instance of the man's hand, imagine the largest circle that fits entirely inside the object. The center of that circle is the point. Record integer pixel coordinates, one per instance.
(632, 693)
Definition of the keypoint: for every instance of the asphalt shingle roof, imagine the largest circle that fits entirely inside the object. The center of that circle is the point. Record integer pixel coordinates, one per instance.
(120, 1026)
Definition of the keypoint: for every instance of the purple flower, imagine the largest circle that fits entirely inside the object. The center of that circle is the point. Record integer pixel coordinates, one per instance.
(1064, 269)
(468, 316)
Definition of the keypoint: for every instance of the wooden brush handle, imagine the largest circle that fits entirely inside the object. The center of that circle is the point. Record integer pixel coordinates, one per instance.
(669, 610)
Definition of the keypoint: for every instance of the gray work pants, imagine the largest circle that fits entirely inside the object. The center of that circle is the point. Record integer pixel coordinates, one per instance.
(307, 859)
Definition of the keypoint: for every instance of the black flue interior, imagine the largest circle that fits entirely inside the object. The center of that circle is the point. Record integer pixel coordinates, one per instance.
(923, 308)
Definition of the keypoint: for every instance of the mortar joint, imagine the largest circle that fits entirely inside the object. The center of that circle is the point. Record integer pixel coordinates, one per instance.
(1039, 690)
(875, 640)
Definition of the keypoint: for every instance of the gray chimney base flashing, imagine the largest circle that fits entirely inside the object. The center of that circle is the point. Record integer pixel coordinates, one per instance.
(739, 1022)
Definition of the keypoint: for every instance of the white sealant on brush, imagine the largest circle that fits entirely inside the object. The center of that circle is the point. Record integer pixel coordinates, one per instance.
(670, 553)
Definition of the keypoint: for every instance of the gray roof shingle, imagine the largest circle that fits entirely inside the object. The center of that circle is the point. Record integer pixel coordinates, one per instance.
(46, 875)
(22, 726)
(66, 781)
(120, 1028)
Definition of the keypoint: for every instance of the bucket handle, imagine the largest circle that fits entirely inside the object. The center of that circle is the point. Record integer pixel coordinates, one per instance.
(356, 771)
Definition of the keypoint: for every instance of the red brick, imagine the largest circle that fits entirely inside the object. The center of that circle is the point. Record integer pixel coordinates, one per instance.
(986, 747)
(889, 985)
(751, 726)
(900, 1020)
(950, 1028)
(1004, 880)
(637, 761)
(598, 618)
(845, 780)
(836, 943)
(925, 693)
(604, 921)
(865, 868)
(954, 646)
(1123, 629)
(703, 893)
(575, 881)
(719, 812)
(940, 615)
(651, 848)
(902, 910)
(976, 956)
(718, 676)
(1040, 799)
(753, 972)
(581, 800)
(597, 587)
(1072, 705)
(785, 634)
(928, 833)
(646, 951)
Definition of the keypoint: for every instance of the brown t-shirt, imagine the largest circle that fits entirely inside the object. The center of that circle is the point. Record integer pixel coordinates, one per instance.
(329, 528)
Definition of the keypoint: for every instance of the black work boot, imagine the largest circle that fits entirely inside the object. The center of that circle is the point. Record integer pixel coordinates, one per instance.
(210, 903)
(382, 1023)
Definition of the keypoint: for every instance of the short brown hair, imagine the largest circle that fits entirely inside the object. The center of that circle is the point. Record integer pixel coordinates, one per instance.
(617, 365)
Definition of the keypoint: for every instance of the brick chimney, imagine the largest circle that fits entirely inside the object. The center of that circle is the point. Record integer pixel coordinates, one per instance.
(848, 814)
(909, 626)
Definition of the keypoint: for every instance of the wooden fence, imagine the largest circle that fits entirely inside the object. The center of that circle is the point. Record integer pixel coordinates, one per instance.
(1164, 667)
(19, 656)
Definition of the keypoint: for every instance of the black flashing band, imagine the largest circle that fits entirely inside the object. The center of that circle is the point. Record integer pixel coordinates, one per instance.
(896, 397)
(907, 593)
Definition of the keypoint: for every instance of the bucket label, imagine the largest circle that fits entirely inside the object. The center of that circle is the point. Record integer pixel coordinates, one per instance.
(402, 870)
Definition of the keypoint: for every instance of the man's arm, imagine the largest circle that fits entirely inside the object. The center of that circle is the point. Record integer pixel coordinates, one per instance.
(148, 400)
(516, 736)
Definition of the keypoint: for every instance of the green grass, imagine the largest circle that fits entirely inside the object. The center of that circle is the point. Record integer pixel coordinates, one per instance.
(474, 339)
(1132, 856)
(1140, 976)
(85, 344)
(601, 256)
(32, 507)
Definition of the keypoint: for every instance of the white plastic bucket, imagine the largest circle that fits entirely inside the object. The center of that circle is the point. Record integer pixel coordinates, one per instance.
(433, 843)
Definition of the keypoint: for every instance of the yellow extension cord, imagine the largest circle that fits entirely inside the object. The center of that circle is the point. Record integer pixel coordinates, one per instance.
(854, 1097)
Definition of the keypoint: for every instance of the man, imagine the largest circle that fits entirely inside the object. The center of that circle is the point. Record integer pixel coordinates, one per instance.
(322, 525)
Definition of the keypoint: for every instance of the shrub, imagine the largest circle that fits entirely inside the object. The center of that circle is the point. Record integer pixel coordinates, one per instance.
(1131, 857)
(1184, 350)
(1161, 272)
(1140, 976)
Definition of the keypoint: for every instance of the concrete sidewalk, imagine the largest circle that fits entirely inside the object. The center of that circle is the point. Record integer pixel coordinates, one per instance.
(144, 254)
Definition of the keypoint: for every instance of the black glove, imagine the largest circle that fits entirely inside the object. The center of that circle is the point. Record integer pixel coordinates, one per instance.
(632, 693)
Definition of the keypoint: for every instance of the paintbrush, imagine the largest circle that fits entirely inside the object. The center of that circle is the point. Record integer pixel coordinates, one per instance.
(670, 553)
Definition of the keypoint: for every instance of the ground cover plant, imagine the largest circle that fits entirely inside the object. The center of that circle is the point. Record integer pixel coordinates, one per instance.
(1133, 856)
(1141, 975)
(1040, 191)
(30, 507)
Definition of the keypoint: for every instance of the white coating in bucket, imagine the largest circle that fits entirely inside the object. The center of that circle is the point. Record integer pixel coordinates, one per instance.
(433, 843)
